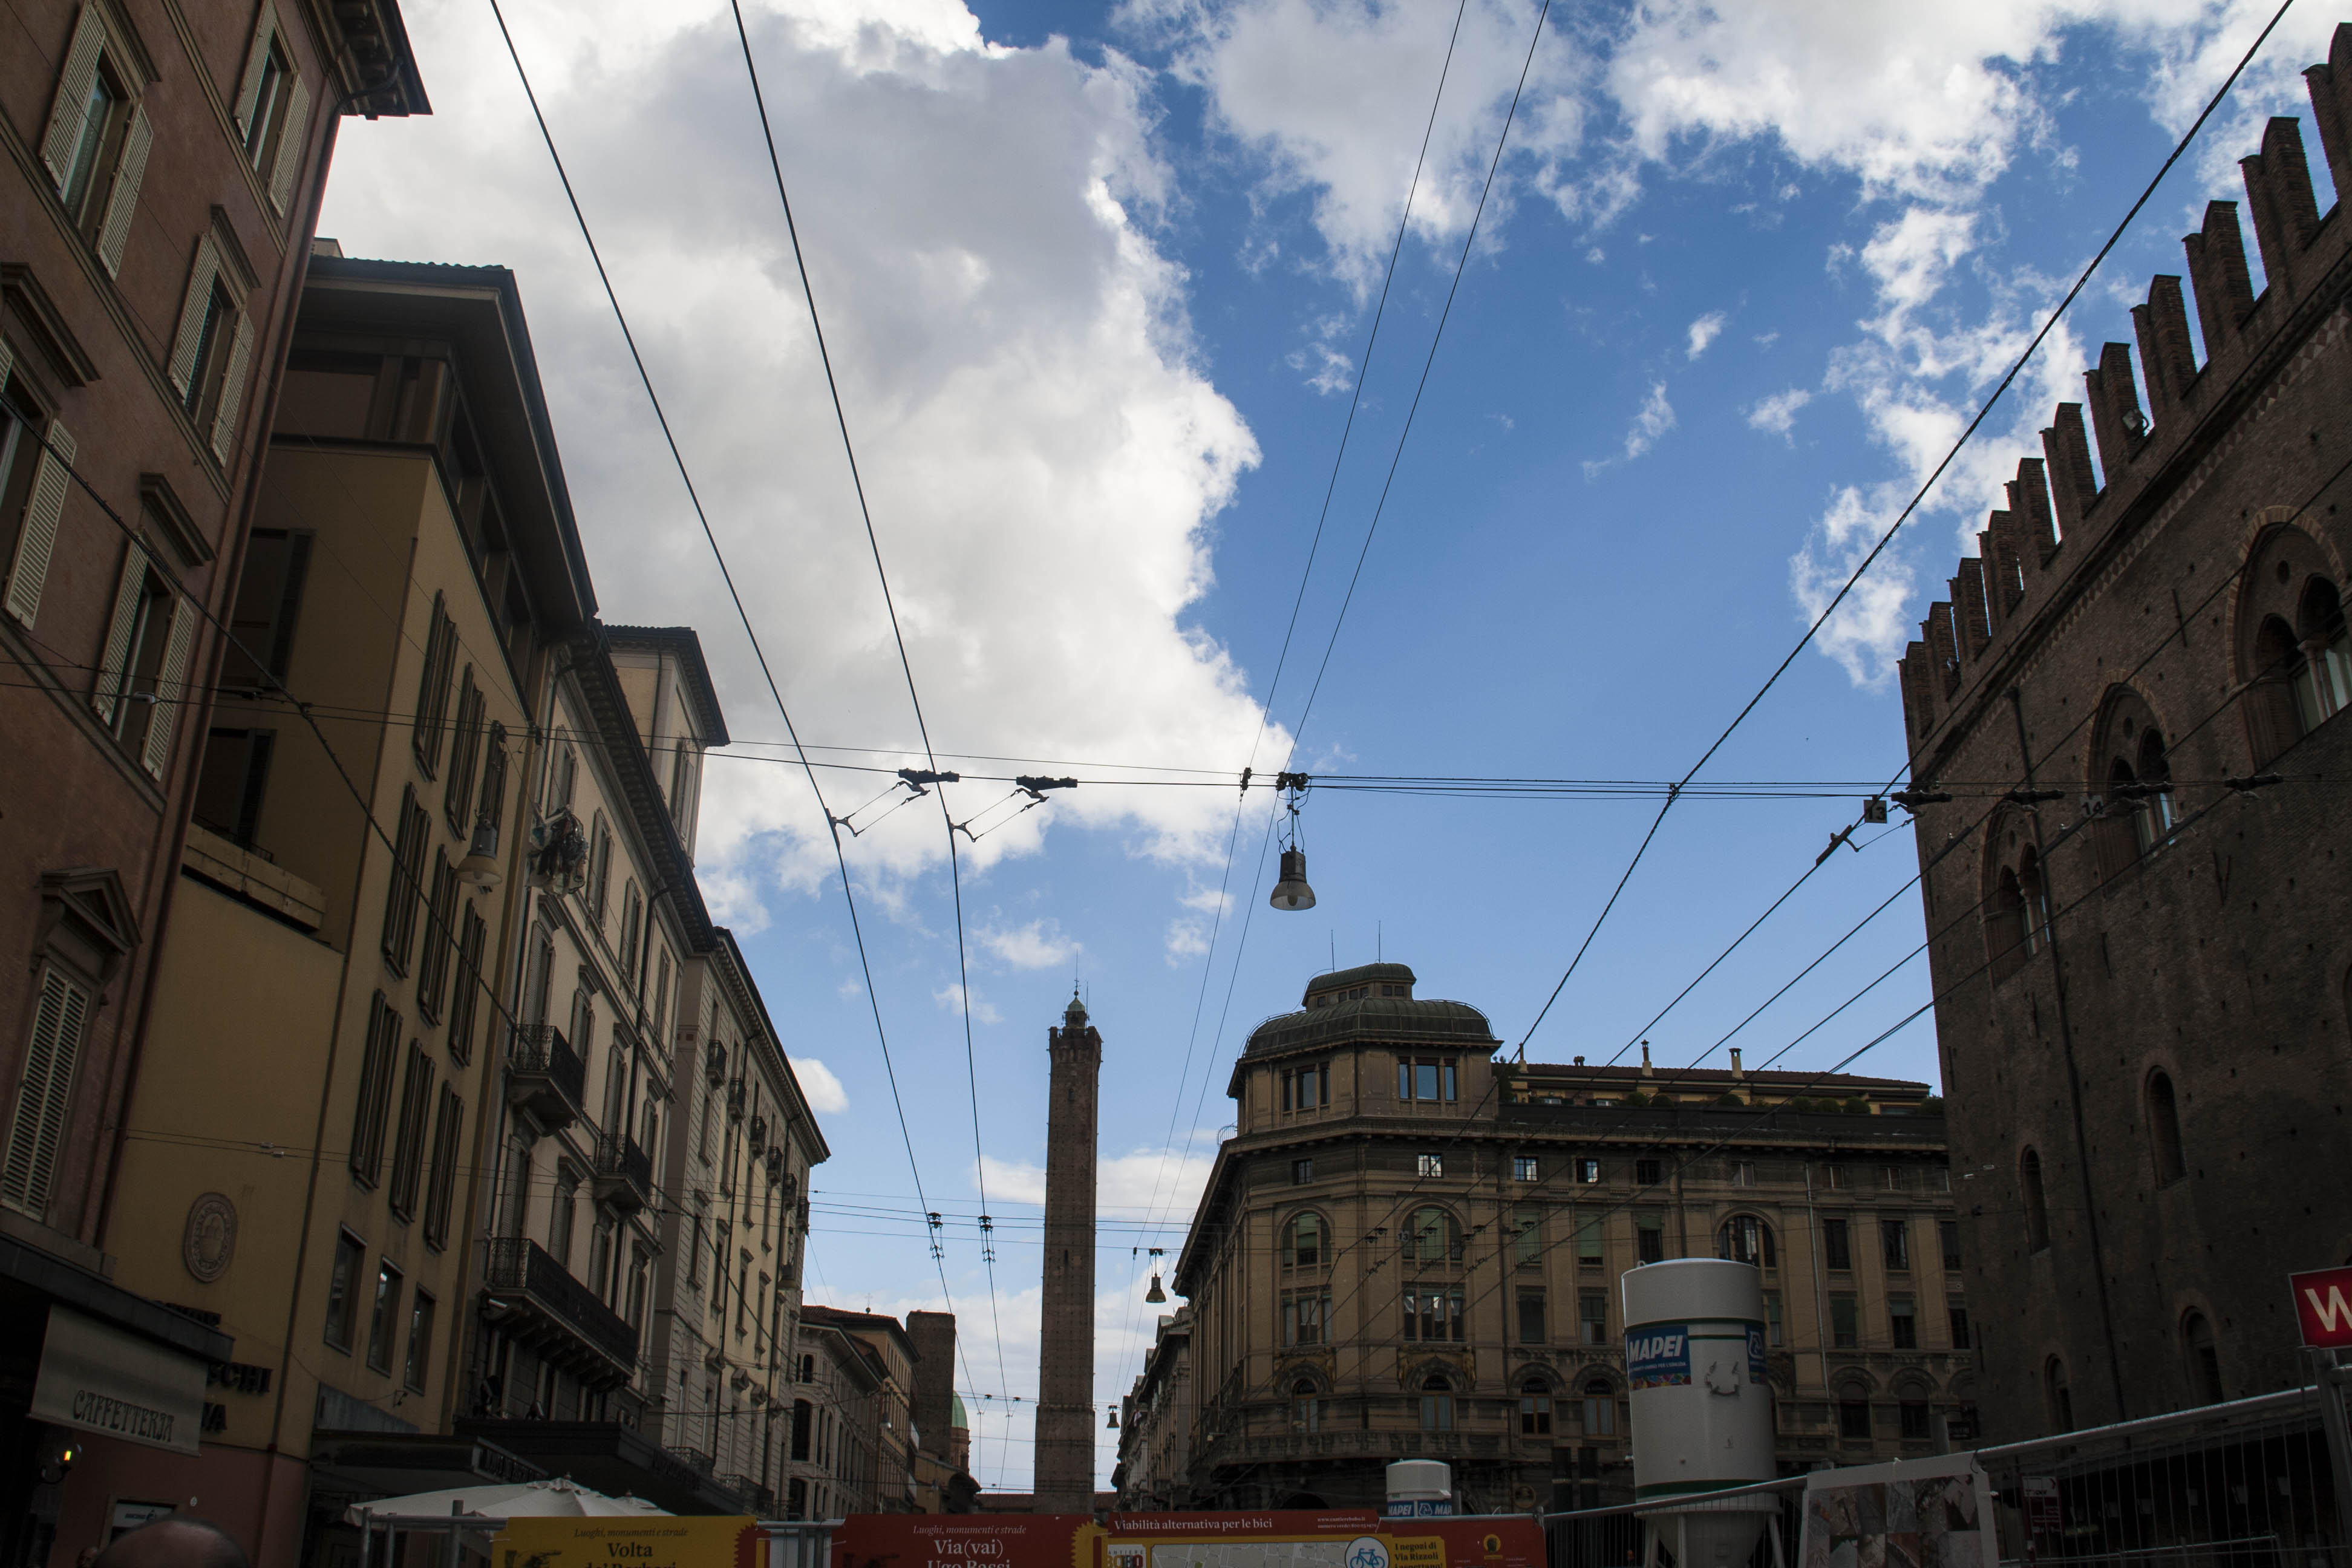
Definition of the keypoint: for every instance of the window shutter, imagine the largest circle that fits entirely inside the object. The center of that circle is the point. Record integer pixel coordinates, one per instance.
(192, 313)
(127, 595)
(171, 687)
(72, 107)
(264, 33)
(122, 201)
(232, 394)
(291, 140)
(30, 569)
(7, 362)
(38, 1126)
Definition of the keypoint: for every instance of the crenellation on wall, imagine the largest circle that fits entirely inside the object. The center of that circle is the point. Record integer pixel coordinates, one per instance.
(2114, 397)
(2165, 355)
(2329, 110)
(2059, 499)
(2285, 210)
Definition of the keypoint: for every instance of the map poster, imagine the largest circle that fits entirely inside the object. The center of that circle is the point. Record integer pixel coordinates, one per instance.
(1925, 1513)
(653, 1541)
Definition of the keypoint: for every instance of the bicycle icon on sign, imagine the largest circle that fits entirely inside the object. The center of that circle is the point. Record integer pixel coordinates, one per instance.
(1365, 1551)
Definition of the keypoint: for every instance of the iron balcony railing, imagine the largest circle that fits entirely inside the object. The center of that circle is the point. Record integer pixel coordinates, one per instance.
(519, 1272)
(545, 1077)
(625, 1173)
(737, 1095)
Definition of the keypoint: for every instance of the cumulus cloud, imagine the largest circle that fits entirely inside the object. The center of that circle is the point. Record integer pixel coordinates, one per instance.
(1039, 945)
(1705, 331)
(1868, 630)
(1315, 86)
(1777, 413)
(824, 1091)
(1043, 453)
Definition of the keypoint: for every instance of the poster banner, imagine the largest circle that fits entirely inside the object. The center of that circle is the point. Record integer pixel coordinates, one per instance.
(654, 1542)
(1351, 1538)
(1657, 1356)
(965, 1541)
(1923, 1513)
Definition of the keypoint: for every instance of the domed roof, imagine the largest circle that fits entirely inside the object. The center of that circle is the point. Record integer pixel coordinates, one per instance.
(1372, 1003)
(956, 1418)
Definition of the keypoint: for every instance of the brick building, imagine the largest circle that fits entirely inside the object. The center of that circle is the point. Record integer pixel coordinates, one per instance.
(1065, 1463)
(165, 172)
(1409, 1250)
(2123, 727)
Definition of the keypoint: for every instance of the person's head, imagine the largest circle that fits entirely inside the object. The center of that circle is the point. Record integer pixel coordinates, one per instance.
(176, 1540)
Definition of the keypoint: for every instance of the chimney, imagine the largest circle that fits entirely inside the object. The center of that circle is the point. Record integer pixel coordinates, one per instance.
(1579, 1061)
(1645, 1058)
(1737, 1072)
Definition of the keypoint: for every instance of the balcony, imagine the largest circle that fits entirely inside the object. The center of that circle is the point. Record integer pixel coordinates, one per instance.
(534, 1299)
(546, 1080)
(714, 1063)
(759, 1135)
(623, 1174)
(735, 1095)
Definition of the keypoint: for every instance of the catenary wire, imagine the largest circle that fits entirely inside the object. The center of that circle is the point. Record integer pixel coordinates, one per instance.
(742, 613)
(906, 665)
(1983, 412)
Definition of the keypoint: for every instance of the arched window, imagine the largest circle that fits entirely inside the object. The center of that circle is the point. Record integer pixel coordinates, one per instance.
(1302, 1243)
(2037, 1208)
(2204, 1358)
(1599, 1408)
(1853, 1413)
(2005, 924)
(2035, 898)
(2323, 685)
(2296, 659)
(1436, 1403)
(1433, 1235)
(2164, 1129)
(1534, 1408)
(1744, 1239)
(2060, 1401)
(1306, 1409)
(2154, 823)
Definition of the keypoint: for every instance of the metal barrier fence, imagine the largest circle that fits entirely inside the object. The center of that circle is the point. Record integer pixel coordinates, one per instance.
(2252, 1483)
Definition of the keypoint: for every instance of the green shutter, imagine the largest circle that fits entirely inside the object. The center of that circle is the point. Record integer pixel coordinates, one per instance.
(171, 687)
(38, 1125)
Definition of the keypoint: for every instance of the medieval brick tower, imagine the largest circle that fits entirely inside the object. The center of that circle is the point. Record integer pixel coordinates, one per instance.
(1064, 1480)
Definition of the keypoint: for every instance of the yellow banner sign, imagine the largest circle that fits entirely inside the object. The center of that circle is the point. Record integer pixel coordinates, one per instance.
(654, 1543)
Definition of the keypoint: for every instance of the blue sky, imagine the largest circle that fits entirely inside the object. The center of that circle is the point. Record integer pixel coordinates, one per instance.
(1096, 284)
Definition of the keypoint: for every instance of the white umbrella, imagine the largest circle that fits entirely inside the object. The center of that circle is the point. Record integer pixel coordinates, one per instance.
(525, 1500)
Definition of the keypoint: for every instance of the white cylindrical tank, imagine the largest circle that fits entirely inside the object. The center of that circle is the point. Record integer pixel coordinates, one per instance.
(1702, 1414)
(1421, 1486)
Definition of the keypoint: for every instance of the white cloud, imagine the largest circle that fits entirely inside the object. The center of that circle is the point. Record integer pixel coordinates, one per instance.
(1777, 413)
(1333, 95)
(1040, 944)
(1651, 420)
(1705, 331)
(825, 1096)
(949, 999)
(1012, 1181)
(1869, 629)
(1043, 452)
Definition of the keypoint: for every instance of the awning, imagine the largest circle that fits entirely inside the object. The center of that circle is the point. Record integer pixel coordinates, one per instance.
(101, 1379)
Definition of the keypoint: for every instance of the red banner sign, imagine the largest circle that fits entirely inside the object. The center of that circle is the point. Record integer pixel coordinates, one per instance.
(1353, 1538)
(2322, 1304)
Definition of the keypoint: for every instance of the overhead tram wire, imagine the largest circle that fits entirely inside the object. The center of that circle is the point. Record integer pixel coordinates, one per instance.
(1677, 1077)
(898, 635)
(847, 892)
(1974, 423)
(1445, 314)
(1290, 629)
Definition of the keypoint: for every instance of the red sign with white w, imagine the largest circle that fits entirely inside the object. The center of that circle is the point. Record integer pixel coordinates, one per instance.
(2323, 1302)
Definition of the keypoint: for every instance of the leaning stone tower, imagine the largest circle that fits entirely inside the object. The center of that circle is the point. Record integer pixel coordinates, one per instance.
(1064, 1480)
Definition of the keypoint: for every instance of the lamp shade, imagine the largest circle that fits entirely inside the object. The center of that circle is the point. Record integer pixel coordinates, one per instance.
(1155, 1293)
(1292, 893)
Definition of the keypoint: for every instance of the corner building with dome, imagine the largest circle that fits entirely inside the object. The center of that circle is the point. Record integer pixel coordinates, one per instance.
(1411, 1249)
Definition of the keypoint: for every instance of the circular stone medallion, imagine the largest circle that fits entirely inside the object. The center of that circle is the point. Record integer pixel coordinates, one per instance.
(211, 1239)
